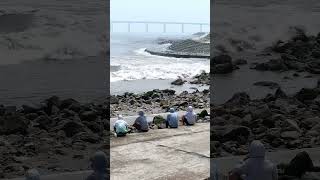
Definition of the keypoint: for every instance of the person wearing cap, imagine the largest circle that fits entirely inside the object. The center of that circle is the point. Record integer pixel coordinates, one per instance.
(256, 166)
(120, 126)
(99, 166)
(141, 122)
(190, 117)
(172, 119)
(32, 174)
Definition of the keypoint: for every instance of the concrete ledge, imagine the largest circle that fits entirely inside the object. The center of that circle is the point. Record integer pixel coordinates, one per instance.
(158, 134)
(182, 153)
(177, 55)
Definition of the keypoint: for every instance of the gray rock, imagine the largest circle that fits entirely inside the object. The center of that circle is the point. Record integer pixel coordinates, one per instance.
(222, 59)
(262, 112)
(178, 82)
(223, 68)
(269, 84)
(13, 123)
(240, 62)
(290, 135)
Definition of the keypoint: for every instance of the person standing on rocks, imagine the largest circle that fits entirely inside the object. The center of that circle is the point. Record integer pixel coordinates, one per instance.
(99, 166)
(172, 119)
(255, 166)
(120, 127)
(141, 122)
(190, 117)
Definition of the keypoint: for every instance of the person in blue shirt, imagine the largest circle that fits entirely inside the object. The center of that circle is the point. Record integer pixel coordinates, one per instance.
(172, 119)
(120, 127)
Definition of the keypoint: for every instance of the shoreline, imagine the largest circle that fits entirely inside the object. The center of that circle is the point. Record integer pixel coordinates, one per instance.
(56, 135)
(157, 101)
(278, 120)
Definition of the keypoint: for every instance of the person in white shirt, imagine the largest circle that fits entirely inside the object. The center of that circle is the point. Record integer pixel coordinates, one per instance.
(190, 117)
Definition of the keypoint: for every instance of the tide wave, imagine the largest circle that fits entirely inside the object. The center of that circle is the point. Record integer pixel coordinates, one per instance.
(146, 66)
(65, 32)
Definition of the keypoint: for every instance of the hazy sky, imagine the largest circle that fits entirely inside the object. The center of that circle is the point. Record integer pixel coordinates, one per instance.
(161, 10)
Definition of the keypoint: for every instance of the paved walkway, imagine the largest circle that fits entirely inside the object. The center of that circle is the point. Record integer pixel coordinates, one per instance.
(182, 153)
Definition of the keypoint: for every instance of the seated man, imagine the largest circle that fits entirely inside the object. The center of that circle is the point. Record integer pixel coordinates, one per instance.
(190, 117)
(120, 127)
(255, 166)
(141, 122)
(32, 174)
(172, 119)
(99, 166)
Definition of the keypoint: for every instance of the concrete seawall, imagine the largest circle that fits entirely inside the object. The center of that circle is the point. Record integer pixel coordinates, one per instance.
(177, 54)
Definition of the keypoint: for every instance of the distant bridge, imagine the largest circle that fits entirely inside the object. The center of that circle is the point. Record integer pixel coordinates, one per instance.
(164, 25)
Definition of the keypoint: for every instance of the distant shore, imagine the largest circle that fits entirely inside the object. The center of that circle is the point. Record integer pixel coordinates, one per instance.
(187, 48)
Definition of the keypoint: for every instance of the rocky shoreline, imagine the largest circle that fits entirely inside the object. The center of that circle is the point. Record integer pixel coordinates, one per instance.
(301, 53)
(53, 136)
(157, 101)
(279, 120)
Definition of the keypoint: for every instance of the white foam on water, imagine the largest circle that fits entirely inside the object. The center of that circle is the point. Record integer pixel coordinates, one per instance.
(147, 66)
(69, 35)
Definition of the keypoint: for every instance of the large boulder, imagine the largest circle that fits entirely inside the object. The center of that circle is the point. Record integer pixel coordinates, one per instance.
(13, 123)
(309, 123)
(280, 93)
(70, 127)
(290, 135)
(43, 121)
(271, 65)
(223, 68)
(222, 59)
(306, 94)
(32, 108)
(232, 133)
(269, 84)
(88, 115)
(260, 112)
(71, 104)
(159, 121)
(178, 82)
(241, 98)
(113, 100)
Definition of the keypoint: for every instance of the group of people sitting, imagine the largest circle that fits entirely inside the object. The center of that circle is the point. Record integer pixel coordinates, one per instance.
(121, 127)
